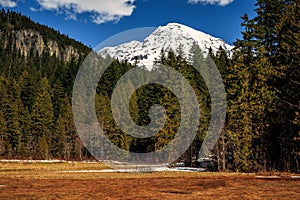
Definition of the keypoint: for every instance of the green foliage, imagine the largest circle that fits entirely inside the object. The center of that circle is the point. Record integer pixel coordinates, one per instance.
(3, 133)
(42, 120)
(262, 94)
(33, 91)
(11, 21)
(63, 144)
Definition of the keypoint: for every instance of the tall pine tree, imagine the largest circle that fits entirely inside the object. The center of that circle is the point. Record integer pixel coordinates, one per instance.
(42, 121)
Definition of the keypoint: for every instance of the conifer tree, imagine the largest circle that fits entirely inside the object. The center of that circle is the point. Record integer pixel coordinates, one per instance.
(27, 89)
(287, 84)
(42, 121)
(63, 144)
(10, 109)
(250, 98)
(262, 86)
(3, 133)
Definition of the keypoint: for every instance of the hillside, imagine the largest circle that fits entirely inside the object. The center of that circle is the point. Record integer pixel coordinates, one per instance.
(28, 37)
(38, 66)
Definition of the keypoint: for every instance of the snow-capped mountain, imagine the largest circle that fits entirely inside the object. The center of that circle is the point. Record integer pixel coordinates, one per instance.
(166, 37)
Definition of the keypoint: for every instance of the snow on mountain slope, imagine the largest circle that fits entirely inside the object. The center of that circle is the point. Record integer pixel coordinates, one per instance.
(165, 37)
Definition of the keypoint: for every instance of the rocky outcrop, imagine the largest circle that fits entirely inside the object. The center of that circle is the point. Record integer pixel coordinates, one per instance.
(28, 41)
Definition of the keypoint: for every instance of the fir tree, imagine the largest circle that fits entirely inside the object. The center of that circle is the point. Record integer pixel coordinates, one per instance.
(42, 121)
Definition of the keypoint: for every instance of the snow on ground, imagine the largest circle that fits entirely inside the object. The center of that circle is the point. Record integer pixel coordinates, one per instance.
(295, 176)
(130, 168)
(271, 177)
(42, 161)
(276, 177)
(32, 161)
(140, 170)
(117, 166)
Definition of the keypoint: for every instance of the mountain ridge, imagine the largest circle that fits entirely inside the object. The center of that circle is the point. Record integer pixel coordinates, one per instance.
(171, 36)
(29, 37)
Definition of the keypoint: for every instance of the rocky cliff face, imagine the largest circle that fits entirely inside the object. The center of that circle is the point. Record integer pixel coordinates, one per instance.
(19, 34)
(28, 41)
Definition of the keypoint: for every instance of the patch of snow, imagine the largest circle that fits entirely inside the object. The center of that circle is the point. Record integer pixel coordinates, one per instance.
(140, 170)
(268, 177)
(295, 176)
(43, 161)
(33, 161)
(187, 169)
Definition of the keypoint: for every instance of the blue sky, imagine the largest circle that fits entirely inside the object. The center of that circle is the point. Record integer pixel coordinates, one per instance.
(93, 21)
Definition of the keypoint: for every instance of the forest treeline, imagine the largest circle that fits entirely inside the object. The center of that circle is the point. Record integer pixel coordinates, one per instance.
(262, 129)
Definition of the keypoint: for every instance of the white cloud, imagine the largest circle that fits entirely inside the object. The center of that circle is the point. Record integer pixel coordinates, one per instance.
(101, 10)
(8, 3)
(218, 2)
(102, 18)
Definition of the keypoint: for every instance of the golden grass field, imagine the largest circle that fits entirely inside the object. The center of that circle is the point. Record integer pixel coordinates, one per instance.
(52, 181)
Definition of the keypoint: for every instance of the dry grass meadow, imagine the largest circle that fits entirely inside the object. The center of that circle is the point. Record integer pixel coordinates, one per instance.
(53, 181)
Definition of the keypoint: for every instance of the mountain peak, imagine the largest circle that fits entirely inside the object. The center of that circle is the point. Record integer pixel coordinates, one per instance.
(167, 37)
(175, 24)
